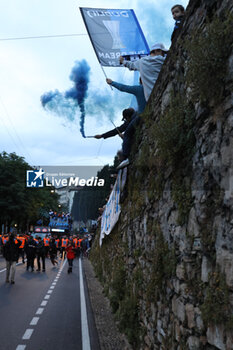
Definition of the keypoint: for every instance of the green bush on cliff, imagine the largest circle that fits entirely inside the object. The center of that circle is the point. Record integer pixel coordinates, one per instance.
(174, 132)
(207, 66)
(118, 286)
(163, 267)
(216, 308)
(128, 318)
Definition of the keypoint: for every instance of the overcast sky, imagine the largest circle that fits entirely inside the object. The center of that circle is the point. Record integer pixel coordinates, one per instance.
(29, 68)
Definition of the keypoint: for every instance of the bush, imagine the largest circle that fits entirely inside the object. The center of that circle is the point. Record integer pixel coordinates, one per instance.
(208, 51)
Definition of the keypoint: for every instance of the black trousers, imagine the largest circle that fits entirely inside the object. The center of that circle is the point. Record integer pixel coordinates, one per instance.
(70, 262)
(30, 261)
(42, 257)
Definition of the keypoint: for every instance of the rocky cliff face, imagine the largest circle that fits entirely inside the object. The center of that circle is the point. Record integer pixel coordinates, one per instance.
(167, 267)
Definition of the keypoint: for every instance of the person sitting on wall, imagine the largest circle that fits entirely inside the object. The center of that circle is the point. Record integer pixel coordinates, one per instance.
(148, 66)
(127, 118)
(178, 13)
(131, 120)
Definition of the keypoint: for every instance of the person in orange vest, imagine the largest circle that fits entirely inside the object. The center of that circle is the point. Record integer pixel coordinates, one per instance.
(76, 246)
(57, 243)
(64, 242)
(46, 245)
(11, 254)
(22, 239)
(5, 239)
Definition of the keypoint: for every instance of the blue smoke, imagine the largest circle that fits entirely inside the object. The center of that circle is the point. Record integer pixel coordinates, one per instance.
(80, 76)
(65, 104)
(55, 102)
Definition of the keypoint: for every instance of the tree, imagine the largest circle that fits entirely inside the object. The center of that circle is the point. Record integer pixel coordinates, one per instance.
(19, 204)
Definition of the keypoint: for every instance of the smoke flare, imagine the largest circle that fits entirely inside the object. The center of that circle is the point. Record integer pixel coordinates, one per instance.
(66, 103)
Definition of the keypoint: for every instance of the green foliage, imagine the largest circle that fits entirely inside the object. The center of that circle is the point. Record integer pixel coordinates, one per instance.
(163, 267)
(208, 234)
(118, 286)
(217, 308)
(128, 318)
(174, 132)
(208, 51)
(182, 195)
(19, 204)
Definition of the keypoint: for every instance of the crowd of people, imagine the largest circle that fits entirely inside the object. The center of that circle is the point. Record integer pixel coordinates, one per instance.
(35, 249)
(149, 68)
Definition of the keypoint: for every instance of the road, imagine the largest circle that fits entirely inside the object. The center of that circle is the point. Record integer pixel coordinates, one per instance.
(46, 310)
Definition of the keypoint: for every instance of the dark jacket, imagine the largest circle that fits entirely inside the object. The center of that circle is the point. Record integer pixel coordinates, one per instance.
(11, 250)
(121, 128)
(30, 247)
(177, 27)
(52, 248)
(40, 249)
(114, 132)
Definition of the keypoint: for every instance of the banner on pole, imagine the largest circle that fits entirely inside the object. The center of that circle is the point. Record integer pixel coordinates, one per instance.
(114, 33)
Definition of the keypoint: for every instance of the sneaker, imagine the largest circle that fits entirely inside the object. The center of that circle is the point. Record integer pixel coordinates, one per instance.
(12, 282)
(43, 270)
(7, 281)
(38, 270)
(123, 164)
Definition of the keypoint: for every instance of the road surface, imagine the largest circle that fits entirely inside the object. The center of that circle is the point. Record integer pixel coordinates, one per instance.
(46, 310)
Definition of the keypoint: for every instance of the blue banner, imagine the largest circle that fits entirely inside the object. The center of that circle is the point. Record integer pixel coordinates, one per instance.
(114, 33)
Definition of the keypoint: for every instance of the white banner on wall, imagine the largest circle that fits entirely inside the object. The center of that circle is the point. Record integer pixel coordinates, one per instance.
(113, 209)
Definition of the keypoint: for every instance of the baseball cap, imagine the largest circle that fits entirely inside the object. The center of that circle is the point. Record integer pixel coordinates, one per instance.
(158, 46)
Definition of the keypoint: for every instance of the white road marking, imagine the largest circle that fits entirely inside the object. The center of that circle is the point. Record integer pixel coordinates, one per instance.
(28, 333)
(34, 321)
(39, 311)
(21, 347)
(84, 322)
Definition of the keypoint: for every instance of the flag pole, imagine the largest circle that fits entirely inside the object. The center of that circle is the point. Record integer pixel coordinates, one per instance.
(116, 129)
(105, 75)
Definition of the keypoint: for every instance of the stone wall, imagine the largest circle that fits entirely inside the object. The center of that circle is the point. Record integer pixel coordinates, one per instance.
(167, 267)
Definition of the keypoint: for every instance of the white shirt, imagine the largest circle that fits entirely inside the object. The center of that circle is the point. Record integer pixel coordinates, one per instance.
(149, 68)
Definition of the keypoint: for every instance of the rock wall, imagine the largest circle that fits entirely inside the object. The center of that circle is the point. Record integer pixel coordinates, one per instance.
(167, 267)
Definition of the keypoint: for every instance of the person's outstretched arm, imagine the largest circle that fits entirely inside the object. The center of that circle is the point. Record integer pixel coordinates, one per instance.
(130, 65)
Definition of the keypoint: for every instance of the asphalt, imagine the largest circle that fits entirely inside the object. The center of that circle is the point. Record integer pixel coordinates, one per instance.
(42, 310)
